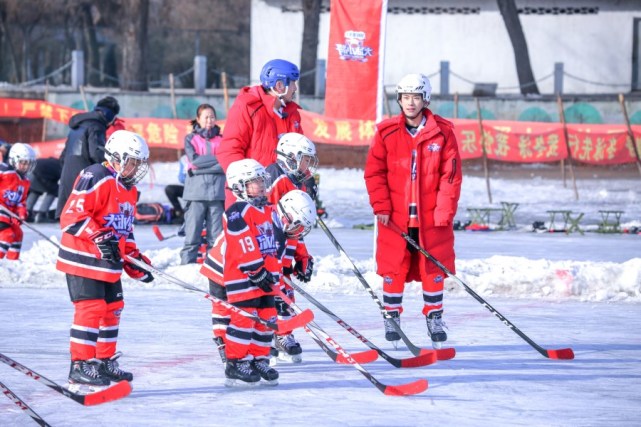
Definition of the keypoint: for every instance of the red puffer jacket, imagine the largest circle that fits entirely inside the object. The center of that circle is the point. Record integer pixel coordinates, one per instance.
(387, 176)
(252, 127)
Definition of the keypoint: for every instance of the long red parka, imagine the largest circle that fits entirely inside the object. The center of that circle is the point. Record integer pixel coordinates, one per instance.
(387, 176)
(252, 128)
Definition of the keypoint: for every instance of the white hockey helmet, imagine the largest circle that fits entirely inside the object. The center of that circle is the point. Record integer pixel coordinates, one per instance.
(21, 153)
(128, 153)
(414, 83)
(296, 154)
(242, 172)
(297, 213)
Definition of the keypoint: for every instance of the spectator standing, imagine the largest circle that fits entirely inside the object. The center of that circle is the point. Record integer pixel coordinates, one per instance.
(44, 181)
(205, 183)
(413, 178)
(85, 144)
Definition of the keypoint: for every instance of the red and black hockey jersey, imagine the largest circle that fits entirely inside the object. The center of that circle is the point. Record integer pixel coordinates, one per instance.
(282, 184)
(252, 238)
(13, 192)
(98, 202)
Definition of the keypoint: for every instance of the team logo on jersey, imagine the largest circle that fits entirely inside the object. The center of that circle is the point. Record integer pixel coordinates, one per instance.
(122, 221)
(434, 147)
(438, 279)
(354, 48)
(13, 197)
(266, 238)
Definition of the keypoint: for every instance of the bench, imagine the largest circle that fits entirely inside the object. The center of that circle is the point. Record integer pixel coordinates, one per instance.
(610, 222)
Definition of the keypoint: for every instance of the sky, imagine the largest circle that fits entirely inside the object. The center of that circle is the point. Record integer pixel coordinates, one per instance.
(577, 291)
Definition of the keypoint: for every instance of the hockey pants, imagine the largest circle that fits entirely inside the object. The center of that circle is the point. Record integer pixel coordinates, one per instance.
(394, 285)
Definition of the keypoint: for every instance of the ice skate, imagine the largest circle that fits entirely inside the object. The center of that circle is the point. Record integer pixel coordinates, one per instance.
(240, 373)
(266, 372)
(85, 377)
(289, 350)
(390, 331)
(221, 349)
(110, 368)
(435, 325)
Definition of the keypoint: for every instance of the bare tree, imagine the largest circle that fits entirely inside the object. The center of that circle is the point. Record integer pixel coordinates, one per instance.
(308, 55)
(134, 49)
(517, 37)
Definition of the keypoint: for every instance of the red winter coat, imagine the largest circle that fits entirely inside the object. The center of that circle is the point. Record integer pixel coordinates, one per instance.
(252, 127)
(387, 176)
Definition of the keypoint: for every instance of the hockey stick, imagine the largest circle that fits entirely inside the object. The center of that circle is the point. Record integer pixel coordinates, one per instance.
(563, 353)
(442, 354)
(29, 226)
(282, 327)
(407, 389)
(161, 237)
(412, 362)
(363, 357)
(23, 406)
(114, 392)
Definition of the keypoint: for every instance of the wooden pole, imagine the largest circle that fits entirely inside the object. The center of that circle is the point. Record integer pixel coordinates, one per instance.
(44, 120)
(486, 169)
(84, 98)
(223, 77)
(630, 132)
(567, 145)
(172, 94)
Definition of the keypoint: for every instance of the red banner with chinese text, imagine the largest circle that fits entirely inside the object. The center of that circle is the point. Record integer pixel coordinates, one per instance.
(523, 142)
(354, 59)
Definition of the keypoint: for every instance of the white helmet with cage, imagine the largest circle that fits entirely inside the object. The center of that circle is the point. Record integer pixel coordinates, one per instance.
(19, 155)
(297, 213)
(296, 154)
(243, 172)
(128, 153)
(414, 83)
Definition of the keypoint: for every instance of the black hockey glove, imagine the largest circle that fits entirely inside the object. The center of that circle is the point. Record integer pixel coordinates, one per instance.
(107, 244)
(263, 279)
(304, 269)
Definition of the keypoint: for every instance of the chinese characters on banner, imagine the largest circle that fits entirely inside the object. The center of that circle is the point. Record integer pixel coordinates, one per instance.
(354, 59)
(522, 142)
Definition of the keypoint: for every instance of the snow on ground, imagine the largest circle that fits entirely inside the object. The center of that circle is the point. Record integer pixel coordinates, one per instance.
(579, 291)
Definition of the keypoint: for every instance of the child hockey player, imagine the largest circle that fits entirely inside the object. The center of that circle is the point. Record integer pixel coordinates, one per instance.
(247, 260)
(294, 168)
(14, 186)
(97, 225)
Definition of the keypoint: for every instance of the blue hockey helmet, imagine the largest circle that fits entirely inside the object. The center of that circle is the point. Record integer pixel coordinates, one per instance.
(278, 69)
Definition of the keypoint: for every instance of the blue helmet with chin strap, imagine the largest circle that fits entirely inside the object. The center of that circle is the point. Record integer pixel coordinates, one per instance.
(278, 69)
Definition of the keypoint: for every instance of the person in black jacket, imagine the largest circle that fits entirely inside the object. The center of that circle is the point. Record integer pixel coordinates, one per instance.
(85, 144)
(44, 180)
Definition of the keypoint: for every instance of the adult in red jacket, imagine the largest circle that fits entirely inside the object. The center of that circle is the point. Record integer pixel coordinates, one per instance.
(413, 178)
(260, 115)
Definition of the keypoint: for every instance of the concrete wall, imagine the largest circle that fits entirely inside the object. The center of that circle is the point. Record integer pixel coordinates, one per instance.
(594, 47)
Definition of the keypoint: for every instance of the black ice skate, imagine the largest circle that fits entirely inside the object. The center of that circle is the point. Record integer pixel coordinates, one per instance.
(267, 373)
(110, 369)
(220, 344)
(240, 372)
(85, 376)
(435, 325)
(390, 331)
(289, 350)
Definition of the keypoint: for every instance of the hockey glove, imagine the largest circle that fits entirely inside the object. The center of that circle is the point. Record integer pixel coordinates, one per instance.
(107, 244)
(287, 271)
(263, 279)
(136, 272)
(304, 269)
